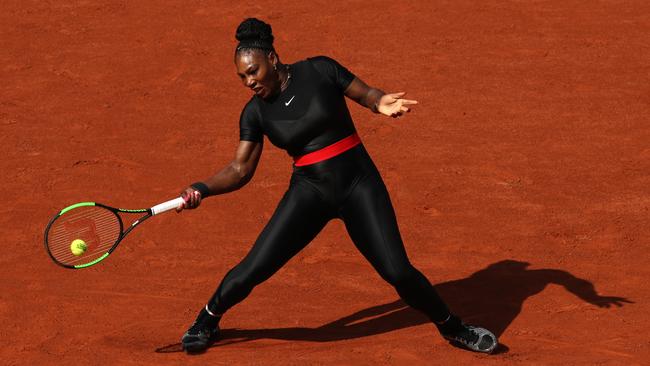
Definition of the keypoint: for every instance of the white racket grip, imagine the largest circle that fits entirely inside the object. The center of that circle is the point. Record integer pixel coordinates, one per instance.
(166, 206)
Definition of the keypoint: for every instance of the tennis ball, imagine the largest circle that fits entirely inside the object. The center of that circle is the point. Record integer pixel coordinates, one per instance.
(78, 247)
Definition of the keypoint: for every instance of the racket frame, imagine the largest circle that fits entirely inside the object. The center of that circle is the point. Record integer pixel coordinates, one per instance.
(148, 212)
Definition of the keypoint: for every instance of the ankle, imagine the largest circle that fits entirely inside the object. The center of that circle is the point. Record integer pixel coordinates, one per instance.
(452, 324)
(208, 318)
(212, 313)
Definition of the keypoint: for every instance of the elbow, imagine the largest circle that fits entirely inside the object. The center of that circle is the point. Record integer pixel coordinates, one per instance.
(242, 173)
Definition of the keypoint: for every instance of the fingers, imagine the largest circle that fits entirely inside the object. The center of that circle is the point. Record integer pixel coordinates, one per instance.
(619, 301)
(395, 109)
(184, 196)
(607, 302)
(195, 199)
(402, 109)
(398, 95)
(391, 98)
(191, 198)
(394, 106)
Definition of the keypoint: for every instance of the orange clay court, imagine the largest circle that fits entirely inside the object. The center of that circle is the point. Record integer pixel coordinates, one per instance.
(521, 181)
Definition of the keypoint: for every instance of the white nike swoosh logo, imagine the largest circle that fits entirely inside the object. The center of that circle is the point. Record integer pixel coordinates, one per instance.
(289, 102)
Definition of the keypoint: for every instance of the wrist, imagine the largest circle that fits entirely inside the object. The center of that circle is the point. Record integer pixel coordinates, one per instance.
(374, 107)
(202, 188)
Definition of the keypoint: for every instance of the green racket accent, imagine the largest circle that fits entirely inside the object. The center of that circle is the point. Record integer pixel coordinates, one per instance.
(93, 262)
(80, 204)
(127, 210)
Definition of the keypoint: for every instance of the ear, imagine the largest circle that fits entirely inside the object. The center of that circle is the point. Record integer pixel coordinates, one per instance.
(273, 58)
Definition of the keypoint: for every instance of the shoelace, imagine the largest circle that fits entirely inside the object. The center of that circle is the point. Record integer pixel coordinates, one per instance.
(466, 335)
(204, 322)
(196, 328)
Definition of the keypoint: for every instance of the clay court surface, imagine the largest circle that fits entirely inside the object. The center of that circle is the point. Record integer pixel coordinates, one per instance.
(521, 181)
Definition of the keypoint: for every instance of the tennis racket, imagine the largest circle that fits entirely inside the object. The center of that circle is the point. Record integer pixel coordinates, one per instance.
(85, 233)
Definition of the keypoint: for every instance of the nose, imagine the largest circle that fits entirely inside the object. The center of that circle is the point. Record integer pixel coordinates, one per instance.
(249, 82)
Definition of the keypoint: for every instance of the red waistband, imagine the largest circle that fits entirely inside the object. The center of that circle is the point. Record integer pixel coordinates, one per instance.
(327, 152)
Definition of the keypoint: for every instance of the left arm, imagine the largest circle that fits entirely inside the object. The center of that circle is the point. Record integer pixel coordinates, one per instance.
(376, 100)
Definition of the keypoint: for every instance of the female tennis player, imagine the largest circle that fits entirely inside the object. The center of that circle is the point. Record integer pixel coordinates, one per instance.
(301, 108)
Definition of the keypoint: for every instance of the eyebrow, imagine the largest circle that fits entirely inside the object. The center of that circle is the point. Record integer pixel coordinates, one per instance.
(248, 69)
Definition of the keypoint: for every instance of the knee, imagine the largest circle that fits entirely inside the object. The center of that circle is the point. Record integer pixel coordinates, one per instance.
(242, 281)
(401, 276)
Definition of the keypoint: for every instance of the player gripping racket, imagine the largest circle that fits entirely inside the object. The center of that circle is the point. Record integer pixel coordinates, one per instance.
(301, 108)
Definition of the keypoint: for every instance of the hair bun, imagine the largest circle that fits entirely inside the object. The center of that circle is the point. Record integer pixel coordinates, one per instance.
(254, 30)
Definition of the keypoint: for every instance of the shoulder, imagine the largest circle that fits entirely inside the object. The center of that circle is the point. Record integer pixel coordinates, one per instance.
(251, 111)
(333, 70)
(253, 104)
(250, 128)
(323, 62)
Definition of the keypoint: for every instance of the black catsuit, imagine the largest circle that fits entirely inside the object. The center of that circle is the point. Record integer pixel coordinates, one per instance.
(308, 115)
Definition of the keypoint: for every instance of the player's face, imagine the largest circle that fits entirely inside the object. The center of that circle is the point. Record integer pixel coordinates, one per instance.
(256, 71)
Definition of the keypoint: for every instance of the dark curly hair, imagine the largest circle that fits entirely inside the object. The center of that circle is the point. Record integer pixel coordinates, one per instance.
(254, 34)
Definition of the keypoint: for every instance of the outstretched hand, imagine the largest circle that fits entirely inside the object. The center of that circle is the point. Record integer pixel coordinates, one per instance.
(393, 105)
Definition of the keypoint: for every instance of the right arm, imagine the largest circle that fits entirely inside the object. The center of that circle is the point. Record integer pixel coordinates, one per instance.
(376, 100)
(232, 177)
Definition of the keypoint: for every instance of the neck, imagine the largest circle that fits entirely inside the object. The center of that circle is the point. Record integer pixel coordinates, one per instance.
(285, 76)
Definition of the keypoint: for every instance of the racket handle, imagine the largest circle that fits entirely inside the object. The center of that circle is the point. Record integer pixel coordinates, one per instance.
(166, 206)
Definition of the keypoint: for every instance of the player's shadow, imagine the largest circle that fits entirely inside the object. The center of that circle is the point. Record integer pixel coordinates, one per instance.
(491, 297)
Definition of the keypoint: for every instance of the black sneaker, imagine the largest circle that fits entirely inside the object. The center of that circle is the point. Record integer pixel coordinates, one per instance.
(203, 332)
(468, 336)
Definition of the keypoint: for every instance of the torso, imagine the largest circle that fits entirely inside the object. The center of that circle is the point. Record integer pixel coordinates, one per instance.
(309, 114)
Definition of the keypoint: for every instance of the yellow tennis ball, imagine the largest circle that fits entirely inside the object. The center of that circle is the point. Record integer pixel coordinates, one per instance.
(78, 247)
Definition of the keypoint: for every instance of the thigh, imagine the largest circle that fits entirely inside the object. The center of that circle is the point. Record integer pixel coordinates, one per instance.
(370, 220)
(299, 217)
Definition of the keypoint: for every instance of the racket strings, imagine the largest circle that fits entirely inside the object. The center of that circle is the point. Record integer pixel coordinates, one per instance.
(98, 227)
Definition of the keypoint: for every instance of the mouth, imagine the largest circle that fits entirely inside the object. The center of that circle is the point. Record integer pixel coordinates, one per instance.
(258, 90)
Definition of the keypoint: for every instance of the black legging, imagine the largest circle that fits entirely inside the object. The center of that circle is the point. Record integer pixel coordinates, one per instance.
(348, 187)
